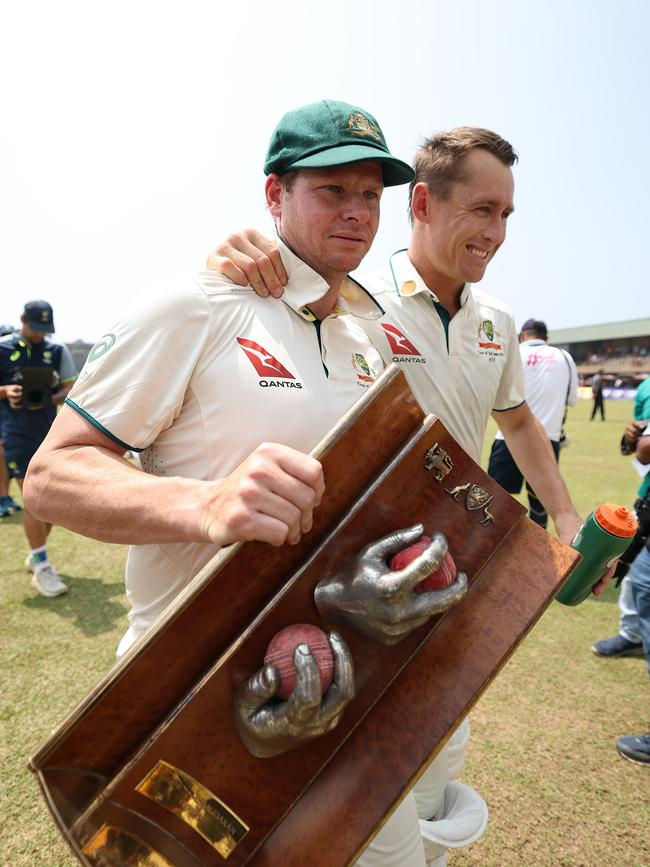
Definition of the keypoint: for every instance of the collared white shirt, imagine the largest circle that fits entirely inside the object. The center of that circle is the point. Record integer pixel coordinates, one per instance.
(460, 368)
(550, 382)
(194, 381)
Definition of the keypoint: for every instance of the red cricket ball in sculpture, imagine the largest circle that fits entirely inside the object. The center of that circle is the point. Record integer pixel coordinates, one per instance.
(280, 651)
(444, 575)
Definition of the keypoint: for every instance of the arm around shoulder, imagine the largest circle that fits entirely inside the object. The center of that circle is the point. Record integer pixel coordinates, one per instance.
(250, 258)
(80, 479)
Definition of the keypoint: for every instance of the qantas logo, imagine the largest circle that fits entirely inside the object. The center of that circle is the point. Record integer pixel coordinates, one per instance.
(263, 362)
(401, 345)
(267, 365)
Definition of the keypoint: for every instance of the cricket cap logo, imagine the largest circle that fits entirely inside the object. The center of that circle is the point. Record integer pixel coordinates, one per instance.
(264, 363)
(399, 343)
(358, 124)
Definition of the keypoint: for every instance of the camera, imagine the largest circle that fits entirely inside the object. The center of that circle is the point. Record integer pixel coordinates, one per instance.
(39, 383)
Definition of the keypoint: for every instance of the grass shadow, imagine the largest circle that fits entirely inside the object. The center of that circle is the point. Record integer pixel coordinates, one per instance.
(90, 605)
(16, 518)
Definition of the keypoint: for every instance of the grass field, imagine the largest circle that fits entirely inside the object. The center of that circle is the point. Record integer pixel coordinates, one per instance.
(543, 746)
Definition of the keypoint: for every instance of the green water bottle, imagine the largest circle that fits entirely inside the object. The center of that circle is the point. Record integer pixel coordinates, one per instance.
(601, 540)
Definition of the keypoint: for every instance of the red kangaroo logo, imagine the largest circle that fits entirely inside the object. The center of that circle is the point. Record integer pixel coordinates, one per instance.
(400, 344)
(264, 363)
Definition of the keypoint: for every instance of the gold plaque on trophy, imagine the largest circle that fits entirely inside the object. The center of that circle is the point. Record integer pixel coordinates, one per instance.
(112, 845)
(195, 805)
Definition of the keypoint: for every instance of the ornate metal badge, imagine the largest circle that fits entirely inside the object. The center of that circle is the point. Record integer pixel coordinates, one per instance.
(477, 498)
(438, 460)
(358, 124)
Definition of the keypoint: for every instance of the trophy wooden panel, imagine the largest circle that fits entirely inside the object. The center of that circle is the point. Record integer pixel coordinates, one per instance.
(168, 703)
(150, 680)
(200, 738)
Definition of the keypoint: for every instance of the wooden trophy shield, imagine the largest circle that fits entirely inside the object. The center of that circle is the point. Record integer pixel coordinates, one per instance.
(150, 770)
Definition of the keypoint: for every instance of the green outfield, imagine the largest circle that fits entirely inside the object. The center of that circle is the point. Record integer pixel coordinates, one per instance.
(543, 747)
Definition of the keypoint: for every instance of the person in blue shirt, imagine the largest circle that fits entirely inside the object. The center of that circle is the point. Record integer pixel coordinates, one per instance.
(28, 402)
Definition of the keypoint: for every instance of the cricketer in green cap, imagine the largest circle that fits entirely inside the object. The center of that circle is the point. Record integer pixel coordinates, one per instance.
(327, 166)
(331, 133)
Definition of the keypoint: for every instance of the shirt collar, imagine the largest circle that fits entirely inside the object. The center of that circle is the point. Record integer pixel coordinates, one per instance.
(407, 280)
(306, 286)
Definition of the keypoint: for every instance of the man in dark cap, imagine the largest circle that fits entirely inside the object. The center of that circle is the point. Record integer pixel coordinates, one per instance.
(36, 373)
(550, 385)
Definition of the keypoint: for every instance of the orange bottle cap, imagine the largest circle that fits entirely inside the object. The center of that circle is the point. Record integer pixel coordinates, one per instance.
(617, 520)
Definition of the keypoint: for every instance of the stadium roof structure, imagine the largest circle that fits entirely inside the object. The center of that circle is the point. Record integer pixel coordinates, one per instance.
(606, 331)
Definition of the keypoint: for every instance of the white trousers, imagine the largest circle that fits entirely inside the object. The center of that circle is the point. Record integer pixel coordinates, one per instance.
(435, 816)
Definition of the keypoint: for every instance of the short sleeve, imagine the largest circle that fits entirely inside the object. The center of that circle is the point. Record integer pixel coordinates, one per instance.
(510, 393)
(134, 381)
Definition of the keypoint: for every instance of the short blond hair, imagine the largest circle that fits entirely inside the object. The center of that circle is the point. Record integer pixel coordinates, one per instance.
(439, 160)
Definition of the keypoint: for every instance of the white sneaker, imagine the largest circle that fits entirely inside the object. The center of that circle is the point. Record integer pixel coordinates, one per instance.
(46, 580)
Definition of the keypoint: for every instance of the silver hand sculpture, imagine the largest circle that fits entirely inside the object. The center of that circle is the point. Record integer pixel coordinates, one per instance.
(381, 604)
(269, 728)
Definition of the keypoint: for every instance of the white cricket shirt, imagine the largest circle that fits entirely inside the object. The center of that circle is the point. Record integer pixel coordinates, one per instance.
(460, 368)
(550, 382)
(196, 380)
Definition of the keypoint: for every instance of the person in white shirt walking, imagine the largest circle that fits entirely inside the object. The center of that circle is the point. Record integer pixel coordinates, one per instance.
(550, 385)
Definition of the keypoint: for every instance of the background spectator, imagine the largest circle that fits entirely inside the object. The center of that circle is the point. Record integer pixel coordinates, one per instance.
(26, 414)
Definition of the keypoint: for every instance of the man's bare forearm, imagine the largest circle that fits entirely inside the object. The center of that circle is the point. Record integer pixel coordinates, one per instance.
(98, 493)
(79, 479)
(534, 456)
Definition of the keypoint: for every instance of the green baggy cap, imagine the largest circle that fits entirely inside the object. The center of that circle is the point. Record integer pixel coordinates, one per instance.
(330, 133)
